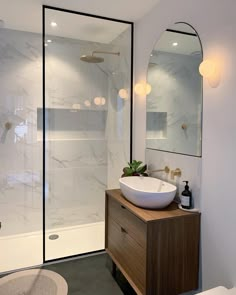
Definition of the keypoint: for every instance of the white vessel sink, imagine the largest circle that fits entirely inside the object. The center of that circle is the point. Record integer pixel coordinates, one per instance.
(147, 192)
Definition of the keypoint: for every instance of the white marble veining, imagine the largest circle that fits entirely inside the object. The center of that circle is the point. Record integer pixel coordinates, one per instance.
(20, 152)
(87, 144)
(118, 118)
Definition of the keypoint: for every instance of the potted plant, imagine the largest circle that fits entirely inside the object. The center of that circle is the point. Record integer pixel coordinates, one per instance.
(135, 168)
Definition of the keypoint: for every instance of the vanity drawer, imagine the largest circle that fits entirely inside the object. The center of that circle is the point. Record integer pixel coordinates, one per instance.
(136, 228)
(131, 256)
(149, 246)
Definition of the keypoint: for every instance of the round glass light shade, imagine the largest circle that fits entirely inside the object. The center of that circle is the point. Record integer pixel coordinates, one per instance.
(99, 101)
(123, 93)
(207, 68)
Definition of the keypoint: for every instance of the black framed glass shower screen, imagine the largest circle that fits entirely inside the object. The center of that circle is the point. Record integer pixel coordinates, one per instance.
(87, 125)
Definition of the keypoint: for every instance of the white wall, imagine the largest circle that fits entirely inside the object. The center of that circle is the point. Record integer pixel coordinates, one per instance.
(215, 22)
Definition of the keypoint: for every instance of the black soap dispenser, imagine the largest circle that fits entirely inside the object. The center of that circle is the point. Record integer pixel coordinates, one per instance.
(186, 197)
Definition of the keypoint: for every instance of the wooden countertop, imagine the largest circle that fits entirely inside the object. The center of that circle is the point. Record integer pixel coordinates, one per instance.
(172, 211)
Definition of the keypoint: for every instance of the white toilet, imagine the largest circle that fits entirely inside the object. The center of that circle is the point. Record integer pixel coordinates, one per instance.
(219, 291)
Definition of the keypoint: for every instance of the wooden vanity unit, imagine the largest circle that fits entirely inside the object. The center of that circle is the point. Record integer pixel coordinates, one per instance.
(156, 250)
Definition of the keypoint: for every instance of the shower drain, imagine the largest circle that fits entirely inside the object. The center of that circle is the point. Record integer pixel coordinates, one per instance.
(53, 237)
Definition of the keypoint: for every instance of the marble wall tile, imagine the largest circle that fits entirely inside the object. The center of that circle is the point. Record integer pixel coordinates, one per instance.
(84, 153)
(20, 153)
(76, 153)
(119, 113)
(75, 196)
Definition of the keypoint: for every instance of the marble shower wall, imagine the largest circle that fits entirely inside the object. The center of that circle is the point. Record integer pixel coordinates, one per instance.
(87, 144)
(118, 119)
(175, 99)
(76, 145)
(20, 150)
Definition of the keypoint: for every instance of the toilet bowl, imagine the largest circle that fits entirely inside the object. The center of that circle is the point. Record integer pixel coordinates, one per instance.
(35, 282)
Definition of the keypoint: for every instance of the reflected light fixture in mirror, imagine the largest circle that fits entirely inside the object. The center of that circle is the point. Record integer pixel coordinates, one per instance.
(99, 101)
(123, 93)
(142, 88)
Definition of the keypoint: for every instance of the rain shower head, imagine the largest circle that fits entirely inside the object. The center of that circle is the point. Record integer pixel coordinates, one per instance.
(96, 59)
(92, 59)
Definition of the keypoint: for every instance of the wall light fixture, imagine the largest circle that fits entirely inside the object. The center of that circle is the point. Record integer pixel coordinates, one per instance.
(207, 68)
(210, 71)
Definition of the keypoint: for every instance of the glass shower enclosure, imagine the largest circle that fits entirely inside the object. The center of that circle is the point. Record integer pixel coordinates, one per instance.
(86, 127)
(61, 144)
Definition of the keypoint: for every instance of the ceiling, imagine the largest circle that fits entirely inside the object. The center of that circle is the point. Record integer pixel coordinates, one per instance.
(26, 15)
(188, 44)
(76, 26)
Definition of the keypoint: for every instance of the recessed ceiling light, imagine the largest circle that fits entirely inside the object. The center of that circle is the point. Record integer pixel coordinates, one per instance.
(174, 44)
(45, 44)
(49, 41)
(53, 24)
(151, 54)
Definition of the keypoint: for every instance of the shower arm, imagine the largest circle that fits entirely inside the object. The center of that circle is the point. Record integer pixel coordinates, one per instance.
(106, 52)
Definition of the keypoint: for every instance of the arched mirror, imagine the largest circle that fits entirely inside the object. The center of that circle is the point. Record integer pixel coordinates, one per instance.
(174, 105)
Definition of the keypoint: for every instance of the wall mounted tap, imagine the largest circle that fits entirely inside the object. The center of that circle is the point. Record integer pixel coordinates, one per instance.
(8, 125)
(166, 170)
(176, 172)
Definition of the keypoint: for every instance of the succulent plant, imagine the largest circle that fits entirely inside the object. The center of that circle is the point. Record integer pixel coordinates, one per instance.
(135, 169)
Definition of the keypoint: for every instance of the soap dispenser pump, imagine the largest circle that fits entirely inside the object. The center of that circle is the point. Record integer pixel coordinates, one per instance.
(186, 197)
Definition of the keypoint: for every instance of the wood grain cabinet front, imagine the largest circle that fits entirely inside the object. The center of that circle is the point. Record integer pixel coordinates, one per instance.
(156, 250)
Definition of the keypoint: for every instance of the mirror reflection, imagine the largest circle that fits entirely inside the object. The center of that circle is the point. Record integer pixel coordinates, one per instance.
(174, 106)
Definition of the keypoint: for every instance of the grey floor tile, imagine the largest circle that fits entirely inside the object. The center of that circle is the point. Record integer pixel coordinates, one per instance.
(87, 276)
(91, 276)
